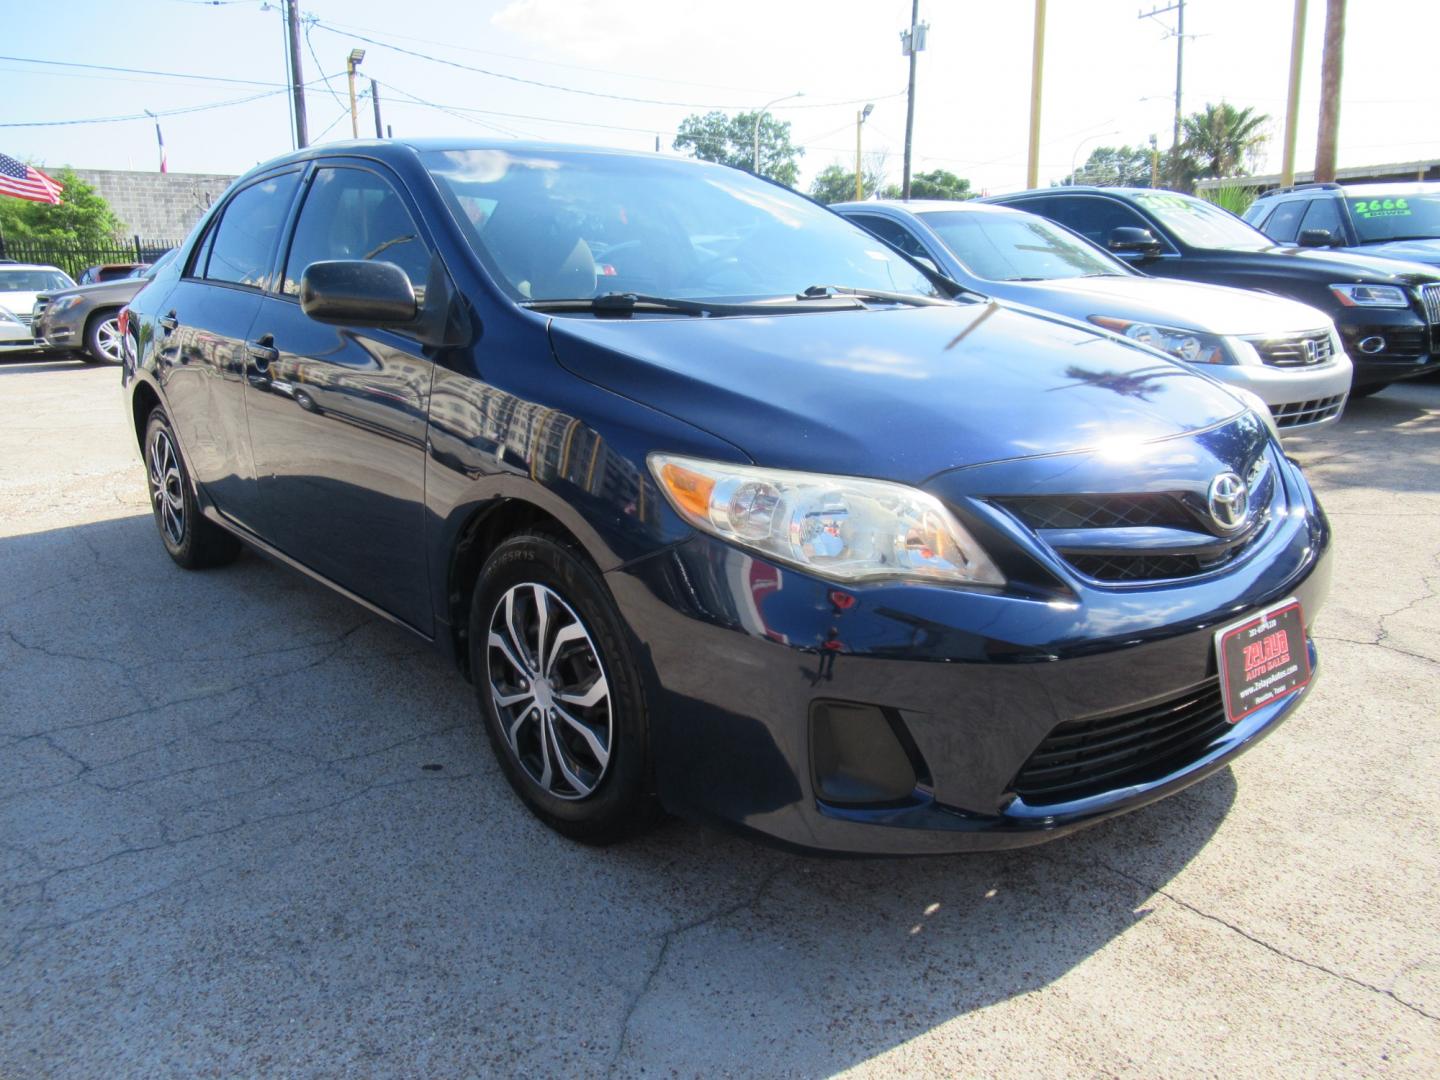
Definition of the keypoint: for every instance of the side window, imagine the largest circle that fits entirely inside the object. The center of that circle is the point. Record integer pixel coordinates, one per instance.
(1257, 213)
(892, 232)
(1324, 214)
(355, 214)
(1284, 223)
(244, 243)
(1092, 217)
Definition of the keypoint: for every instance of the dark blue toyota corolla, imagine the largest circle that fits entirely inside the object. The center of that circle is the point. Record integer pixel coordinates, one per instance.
(724, 507)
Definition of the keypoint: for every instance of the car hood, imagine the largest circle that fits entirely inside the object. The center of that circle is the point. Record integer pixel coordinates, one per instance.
(1188, 305)
(18, 303)
(120, 291)
(899, 394)
(1420, 251)
(1352, 267)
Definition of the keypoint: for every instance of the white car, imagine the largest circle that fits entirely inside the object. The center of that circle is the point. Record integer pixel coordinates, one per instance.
(20, 283)
(1286, 352)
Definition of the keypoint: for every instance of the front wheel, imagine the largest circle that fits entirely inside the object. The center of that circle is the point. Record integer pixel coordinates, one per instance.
(558, 690)
(103, 340)
(191, 541)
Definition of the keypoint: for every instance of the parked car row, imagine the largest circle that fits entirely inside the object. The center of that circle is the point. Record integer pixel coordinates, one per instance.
(728, 508)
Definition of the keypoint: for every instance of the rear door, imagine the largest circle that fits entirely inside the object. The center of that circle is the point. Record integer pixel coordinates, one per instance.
(337, 415)
(204, 325)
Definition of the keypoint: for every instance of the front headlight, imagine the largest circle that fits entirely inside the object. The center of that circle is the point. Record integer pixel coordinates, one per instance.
(1189, 345)
(838, 527)
(1370, 295)
(65, 303)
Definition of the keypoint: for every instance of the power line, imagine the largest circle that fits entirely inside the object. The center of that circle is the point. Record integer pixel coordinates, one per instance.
(183, 110)
(310, 22)
(573, 89)
(138, 71)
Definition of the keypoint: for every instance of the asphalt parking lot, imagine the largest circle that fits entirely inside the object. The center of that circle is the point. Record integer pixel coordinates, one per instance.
(247, 829)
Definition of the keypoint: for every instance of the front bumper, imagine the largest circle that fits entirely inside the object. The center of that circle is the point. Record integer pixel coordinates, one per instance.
(1301, 399)
(57, 333)
(739, 652)
(1409, 346)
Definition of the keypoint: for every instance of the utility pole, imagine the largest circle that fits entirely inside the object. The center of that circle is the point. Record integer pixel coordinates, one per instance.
(297, 79)
(375, 101)
(1330, 70)
(1154, 161)
(860, 118)
(1179, 8)
(1032, 167)
(1292, 103)
(351, 63)
(912, 41)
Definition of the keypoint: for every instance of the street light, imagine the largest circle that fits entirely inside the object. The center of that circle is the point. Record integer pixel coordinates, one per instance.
(1081, 143)
(860, 118)
(755, 152)
(351, 63)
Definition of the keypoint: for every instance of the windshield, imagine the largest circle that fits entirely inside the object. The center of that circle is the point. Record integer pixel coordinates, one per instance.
(1407, 217)
(33, 280)
(564, 225)
(1017, 247)
(1201, 224)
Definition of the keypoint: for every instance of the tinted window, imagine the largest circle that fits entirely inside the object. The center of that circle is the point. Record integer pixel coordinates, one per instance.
(1324, 214)
(1285, 222)
(33, 280)
(562, 225)
(245, 241)
(1093, 218)
(354, 214)
(1257, 213)
(1018, 247)
(892, 232)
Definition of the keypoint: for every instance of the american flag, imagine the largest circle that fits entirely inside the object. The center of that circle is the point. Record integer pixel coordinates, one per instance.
(27, 182)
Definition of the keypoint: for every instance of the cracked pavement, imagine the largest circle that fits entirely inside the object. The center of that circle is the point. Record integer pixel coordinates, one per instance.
(246, 828)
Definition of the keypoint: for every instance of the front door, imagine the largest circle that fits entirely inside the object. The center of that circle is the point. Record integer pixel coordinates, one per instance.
(337, 415)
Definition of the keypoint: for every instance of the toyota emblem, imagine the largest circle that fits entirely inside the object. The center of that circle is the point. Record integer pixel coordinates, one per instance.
(1229, 501)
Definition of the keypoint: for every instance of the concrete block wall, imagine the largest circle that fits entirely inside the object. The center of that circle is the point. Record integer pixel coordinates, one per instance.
(154, 205)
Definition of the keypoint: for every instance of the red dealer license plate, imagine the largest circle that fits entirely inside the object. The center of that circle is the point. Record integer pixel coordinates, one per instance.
(1262, 658)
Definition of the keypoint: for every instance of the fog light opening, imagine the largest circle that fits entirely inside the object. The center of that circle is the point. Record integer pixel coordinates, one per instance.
(1371, 345)
(862, 755)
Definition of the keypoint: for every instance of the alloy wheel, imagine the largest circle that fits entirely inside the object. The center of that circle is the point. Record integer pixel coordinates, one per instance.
(108, 340)
(166, 485)
(549, 689)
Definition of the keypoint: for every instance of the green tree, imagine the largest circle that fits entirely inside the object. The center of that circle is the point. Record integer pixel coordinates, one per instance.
(1115, 166)
(82, 218)
(729, 140)
(936, 184)
(835, 183)
(1220, 141)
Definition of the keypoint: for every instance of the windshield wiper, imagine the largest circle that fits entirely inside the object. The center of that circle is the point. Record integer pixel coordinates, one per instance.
(826, 292)
(629, 303)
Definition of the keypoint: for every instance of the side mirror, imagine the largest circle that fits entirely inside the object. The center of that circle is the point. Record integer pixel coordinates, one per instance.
(1317, 238)
(353, 292)
(1127, 239)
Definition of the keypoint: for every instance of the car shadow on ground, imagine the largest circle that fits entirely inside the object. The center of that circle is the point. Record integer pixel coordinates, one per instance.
(244, 793)
(31, 363)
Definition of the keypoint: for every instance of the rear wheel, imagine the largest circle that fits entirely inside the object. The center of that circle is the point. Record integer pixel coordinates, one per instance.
(103, 340)
(558, 690)
(191, 540)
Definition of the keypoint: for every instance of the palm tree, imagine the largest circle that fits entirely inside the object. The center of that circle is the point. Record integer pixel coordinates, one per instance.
(1221, 140)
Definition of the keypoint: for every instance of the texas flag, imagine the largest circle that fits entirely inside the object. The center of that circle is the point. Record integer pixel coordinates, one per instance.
(27, 182)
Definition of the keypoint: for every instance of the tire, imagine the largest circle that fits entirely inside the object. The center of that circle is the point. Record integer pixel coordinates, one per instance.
(585, 769)
(192, 541)
(103, 342)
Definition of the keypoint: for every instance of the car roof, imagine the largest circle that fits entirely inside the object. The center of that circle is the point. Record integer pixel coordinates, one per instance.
(382, 148)
(1381, 188)
(923, 206)
(1087, 189)
(7, 265)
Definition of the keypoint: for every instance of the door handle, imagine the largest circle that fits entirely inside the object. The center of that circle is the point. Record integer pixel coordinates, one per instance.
(168, 321)
(262, 353)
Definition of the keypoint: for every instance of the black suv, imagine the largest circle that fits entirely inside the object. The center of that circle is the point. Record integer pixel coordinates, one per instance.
(1397, 221)
(1387, 312)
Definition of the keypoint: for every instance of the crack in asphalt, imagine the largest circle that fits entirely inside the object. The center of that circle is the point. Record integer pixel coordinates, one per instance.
(666, 940)
(1257, 940)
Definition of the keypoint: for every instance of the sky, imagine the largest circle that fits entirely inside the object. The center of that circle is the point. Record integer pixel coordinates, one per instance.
(622, 72)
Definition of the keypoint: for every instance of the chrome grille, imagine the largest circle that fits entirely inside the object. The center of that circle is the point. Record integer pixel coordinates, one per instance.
(1299, 413)
(1430, 297)
(26, 317)
(1295, 350)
